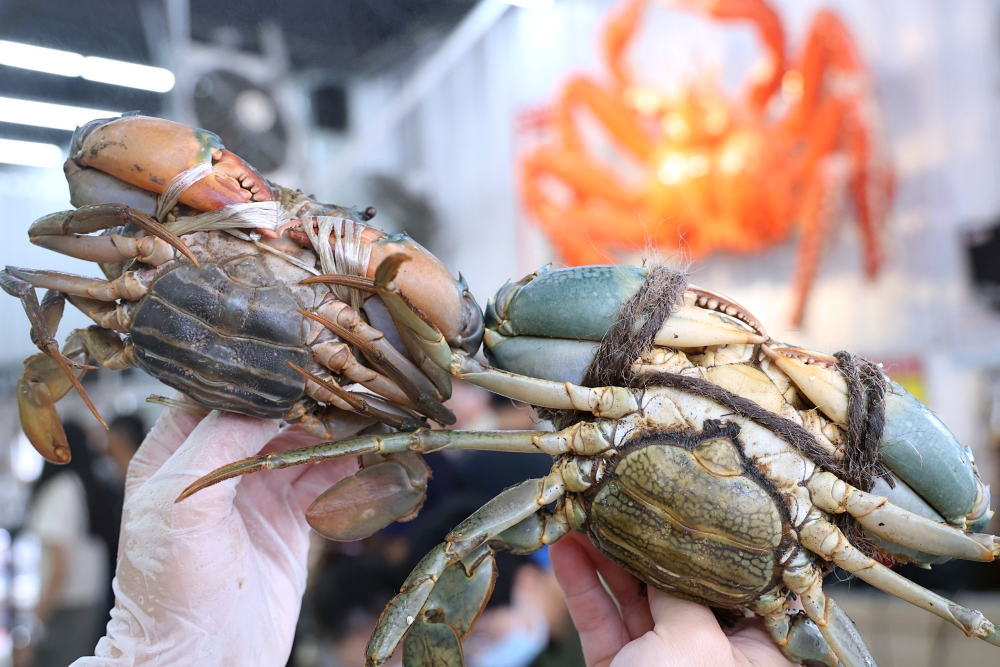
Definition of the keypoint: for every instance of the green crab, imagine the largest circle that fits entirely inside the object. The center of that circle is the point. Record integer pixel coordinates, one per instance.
(696, 452)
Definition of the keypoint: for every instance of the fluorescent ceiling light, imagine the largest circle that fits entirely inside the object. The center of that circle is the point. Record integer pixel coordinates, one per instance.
(44, 114)
(30, 153)
(104, 70)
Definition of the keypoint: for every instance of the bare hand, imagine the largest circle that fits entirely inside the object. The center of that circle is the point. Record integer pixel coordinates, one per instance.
(656, 631)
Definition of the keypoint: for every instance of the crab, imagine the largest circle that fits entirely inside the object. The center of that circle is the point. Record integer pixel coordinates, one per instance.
(699, 454)
(236, 292)
(713, 173)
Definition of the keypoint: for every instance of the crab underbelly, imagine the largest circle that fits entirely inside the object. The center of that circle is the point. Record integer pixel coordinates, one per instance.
(223, 343)
(687, 529)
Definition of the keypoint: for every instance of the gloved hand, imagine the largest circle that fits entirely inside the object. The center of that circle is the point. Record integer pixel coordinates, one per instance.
(655, 631)
(218, 578)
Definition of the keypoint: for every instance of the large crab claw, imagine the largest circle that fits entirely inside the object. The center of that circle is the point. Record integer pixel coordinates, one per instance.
(423, 281)
(151, 153)
(937, 469)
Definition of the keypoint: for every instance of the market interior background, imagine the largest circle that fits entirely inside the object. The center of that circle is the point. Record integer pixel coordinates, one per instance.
(421, 108)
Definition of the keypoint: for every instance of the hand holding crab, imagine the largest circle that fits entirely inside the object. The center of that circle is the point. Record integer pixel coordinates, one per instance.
(172, 606)
(654, 628)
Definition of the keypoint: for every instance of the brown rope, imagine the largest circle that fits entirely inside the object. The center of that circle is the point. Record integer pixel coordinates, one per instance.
(792, 433)
(638, 322)
(866, 387)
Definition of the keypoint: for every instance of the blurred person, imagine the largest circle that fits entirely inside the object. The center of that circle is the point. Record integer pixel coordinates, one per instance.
(125, 434)
(73, 516)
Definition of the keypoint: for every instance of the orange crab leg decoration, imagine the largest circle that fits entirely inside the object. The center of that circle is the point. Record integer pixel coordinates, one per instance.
(719, 175)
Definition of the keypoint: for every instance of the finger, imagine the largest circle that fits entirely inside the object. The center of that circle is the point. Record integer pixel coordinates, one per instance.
(684, 623)
(602, 631)
(629, 592)
(170, 431)
(756, 645)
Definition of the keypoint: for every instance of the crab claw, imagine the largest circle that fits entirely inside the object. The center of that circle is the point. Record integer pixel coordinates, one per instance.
(430, 286)
(818, 377)
(424, 281)
(150, 152)
(41, 385)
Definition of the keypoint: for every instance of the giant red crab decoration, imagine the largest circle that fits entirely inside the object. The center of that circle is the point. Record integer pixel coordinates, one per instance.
(717, 174)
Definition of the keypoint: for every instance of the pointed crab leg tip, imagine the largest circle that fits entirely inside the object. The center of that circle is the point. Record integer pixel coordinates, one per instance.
(157, 229)
(237, 469)
(67, 367)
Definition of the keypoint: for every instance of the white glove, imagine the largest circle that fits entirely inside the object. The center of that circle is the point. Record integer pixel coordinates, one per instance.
(218, 578)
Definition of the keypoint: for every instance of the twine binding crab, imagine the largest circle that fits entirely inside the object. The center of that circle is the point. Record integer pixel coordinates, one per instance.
(696, 452)
(220, 282)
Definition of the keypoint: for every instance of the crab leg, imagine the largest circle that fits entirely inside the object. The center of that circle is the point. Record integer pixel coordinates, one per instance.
(805, 579)
(337, 356)
(332, 423)
(461, 592)
(17, 286)
(585, 439)
(823, 538)
(62, 232)
(107, 314)
(131, 285)
(467, 542)
(349, 400)
(344, 321)
(897, 525)
(797, 635)
(606, 402)
(102, 345)
(457, 598)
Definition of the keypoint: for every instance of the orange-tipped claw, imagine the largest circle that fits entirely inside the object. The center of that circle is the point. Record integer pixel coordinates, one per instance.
(40, 421)
(151, 152)
(237, 469)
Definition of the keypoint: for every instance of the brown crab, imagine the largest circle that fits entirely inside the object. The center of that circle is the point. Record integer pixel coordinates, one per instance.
(218, 283)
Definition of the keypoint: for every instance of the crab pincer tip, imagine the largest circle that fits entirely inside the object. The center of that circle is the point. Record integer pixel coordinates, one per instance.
(228, 471)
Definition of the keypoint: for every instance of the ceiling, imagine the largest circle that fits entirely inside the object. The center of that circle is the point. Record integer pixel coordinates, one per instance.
(339, 39)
